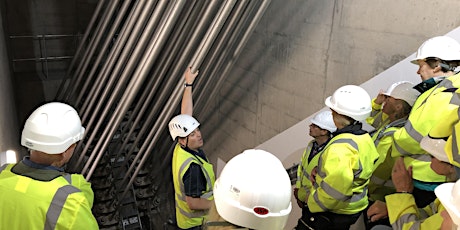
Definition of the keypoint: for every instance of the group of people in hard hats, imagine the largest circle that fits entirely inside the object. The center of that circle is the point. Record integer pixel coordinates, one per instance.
(403, 174)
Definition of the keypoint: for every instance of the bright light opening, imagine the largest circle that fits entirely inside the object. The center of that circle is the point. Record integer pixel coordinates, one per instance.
(8, 157)
(11, 157)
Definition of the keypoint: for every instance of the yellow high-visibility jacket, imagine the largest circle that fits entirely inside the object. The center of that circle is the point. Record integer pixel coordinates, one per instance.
(186, 217)
(344, 169)
(437, 105)
(304, 170)
(61, 203)
(380, 184)
(450, 129)
(378, 118)
(404, 214)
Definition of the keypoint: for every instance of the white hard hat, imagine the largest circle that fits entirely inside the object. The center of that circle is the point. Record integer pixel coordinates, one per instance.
(449, 195)
(182, 125)
(52, 128)
(254, 191)
(324, 120)
(442, 47)
(403, 90)
(352, 101)
(435, 147)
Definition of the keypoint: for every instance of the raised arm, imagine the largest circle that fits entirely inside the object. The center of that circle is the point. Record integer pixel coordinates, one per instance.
(187, 100)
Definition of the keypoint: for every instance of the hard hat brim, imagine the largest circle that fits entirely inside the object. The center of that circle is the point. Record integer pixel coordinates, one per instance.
(435, 147)
(444, 194)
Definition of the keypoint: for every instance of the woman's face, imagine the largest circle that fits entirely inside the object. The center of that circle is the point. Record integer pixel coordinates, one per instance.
(425, 71)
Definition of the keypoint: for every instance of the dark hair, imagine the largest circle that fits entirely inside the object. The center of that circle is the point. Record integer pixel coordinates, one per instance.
(445, 65)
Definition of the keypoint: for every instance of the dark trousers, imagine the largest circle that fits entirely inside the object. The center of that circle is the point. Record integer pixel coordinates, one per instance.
(325, 220)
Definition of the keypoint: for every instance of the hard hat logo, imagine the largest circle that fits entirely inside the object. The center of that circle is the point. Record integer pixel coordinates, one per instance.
(263, 199)
(182, 125)
(261, 211)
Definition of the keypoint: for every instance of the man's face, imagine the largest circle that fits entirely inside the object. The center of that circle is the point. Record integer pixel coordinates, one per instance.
(390, 105)
(194, 140)
(316, 131)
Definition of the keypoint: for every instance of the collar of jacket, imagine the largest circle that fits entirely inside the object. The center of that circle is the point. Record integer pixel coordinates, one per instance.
(428, 84)
(355, 128)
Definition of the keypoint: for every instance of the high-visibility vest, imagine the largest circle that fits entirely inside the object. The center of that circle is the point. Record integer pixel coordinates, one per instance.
(404, 213)
(378, 118)
(304, 171)
(381, 184)
(33, 204)
(433, 107)
(450, 129)
(186, 217)
(344, 169)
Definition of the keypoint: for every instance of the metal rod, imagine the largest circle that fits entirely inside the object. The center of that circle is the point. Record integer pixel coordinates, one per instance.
(239, 48)
(150, 89)
(80, 46)
(102, 51)
(98, 35)
(212, 34)
(221, 47)
(59, 58)
(133, 56)
(151, 55)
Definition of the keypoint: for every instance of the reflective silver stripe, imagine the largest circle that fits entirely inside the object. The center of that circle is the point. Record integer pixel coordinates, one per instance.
(423, 214)
(181, 183)
(338, 195)
(400, 150)
(455, 100)
(359, 171)
(446, 83)
(379, 181)
(182, 189)
(320, 204)
(348, 141)
(434, 207)
(377, 120)
(398, 123)
(332, 192)
(342, 140)
(360, 196)
(57, 204)
(382, 134)
(412, 132)
(207, 195)
(68, 178)
(455, 153)
(406, 218)
(193, 214)
(421, 157)
(355, 146)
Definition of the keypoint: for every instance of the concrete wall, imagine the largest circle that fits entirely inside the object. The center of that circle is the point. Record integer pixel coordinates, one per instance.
(301, 52)
(9, 132)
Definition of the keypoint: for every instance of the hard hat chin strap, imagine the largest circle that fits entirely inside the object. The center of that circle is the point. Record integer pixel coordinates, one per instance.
(207, 224)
